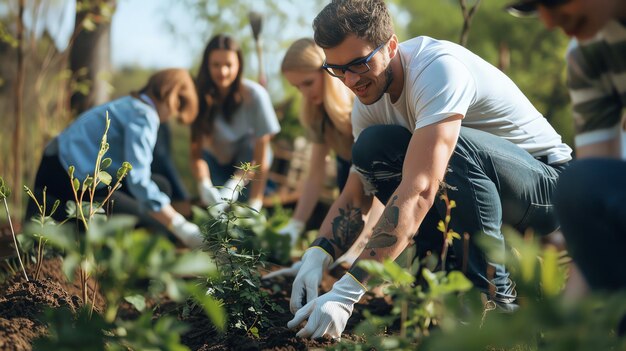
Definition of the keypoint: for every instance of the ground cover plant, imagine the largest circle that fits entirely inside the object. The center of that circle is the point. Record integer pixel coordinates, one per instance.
(94, 282)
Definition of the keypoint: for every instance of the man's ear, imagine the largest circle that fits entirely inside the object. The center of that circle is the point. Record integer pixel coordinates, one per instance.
(393, 46)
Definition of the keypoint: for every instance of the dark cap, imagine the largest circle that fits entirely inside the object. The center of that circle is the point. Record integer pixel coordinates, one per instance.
(526, 8)
(523, 8)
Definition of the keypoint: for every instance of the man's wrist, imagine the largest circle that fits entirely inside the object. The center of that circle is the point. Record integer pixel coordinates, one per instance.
(358, 273)
(325, 245)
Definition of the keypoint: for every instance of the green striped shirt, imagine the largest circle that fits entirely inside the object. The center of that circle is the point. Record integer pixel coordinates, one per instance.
(597, 84)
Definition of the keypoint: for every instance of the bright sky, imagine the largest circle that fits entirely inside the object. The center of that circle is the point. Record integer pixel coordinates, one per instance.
(139, 35)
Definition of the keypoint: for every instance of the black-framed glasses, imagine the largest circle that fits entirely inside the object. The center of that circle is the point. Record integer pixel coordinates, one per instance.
(358, 66)
(529, 7)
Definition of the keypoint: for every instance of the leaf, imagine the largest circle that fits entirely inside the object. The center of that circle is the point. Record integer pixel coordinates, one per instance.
(550, 279)
(70, 263)
(105, 163)
(5, 191)
(212, 307)
(55, 206)
(88, 24)
(138, 301)
(70, 208)
(105, 177)
(458, 282)
(194, 263)
(255, 332)
(441, 226)
(123, 171)
(399, 275)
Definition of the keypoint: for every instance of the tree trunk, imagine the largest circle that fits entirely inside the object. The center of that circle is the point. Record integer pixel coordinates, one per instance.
(18, 107)
(90, 57)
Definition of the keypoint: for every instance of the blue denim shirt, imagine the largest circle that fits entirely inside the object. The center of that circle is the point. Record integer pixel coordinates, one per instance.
(132, 135)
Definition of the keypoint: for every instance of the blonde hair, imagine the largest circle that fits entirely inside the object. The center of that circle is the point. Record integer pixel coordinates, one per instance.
(176, 88)
(305, 56)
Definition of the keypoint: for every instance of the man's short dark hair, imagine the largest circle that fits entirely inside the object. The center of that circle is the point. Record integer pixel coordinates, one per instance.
(366, 19)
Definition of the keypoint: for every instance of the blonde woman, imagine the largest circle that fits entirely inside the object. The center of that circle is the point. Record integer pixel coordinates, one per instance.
(325, 114)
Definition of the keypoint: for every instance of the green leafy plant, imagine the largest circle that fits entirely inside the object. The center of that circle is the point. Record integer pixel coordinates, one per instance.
(41, 219)
(235, 248)
(545, 320)
(126, 264)
(416, 308)
(133, 264)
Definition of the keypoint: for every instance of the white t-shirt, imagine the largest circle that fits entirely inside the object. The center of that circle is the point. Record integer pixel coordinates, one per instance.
(442, 79)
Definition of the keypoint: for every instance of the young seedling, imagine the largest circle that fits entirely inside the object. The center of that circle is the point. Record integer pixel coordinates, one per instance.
(43, 217)
(238, 285)
(89, 186)
(444, 227)
(4, 193)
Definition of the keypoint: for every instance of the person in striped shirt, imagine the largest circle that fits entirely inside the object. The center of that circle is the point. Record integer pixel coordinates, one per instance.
(591, 193)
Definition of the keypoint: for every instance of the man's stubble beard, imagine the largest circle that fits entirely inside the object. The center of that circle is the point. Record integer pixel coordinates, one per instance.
(389, 80)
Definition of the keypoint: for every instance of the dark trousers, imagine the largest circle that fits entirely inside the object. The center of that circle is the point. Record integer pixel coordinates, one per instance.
(492, 181)
(591, 206)
(343, 171)
(52, 176)
(163, 164)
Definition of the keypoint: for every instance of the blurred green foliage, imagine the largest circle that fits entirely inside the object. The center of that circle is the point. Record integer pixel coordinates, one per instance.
(533, 57)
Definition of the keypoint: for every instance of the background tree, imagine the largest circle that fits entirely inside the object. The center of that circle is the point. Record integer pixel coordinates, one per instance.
(31, 62)
(90, 54)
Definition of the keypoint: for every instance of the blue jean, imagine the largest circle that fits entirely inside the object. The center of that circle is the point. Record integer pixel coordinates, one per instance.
(492, 181)
(590, 201)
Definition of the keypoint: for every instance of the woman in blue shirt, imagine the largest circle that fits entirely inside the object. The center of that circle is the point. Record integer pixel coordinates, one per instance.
(132, 135)
(235, 124)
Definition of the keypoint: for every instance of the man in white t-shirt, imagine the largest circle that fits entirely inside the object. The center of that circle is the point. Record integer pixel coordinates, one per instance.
(430, 116)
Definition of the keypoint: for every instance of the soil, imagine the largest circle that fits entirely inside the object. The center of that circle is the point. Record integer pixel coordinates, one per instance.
(21, 304)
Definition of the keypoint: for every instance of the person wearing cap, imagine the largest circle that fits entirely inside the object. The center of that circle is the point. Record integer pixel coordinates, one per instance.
(430, 117)
(591, 194)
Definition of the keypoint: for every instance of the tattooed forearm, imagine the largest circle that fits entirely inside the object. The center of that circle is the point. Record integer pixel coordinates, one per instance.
(347, 227)
(381, 236)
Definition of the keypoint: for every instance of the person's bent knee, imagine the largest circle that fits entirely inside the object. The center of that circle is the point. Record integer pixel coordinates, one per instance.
(380, 143)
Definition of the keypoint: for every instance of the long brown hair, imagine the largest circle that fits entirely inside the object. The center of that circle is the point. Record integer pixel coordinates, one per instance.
(305, 56)
(208, 94)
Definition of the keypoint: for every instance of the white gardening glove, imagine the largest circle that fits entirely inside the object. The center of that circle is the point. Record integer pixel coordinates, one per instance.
(231, 189)
(285, 272)
(293, 228)
(256, 204)
(329, 313)
(186, 231)
(209, 195)
(314, 262)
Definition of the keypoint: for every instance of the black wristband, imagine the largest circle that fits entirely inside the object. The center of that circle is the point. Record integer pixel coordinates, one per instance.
(359, 273)
(326, 245)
